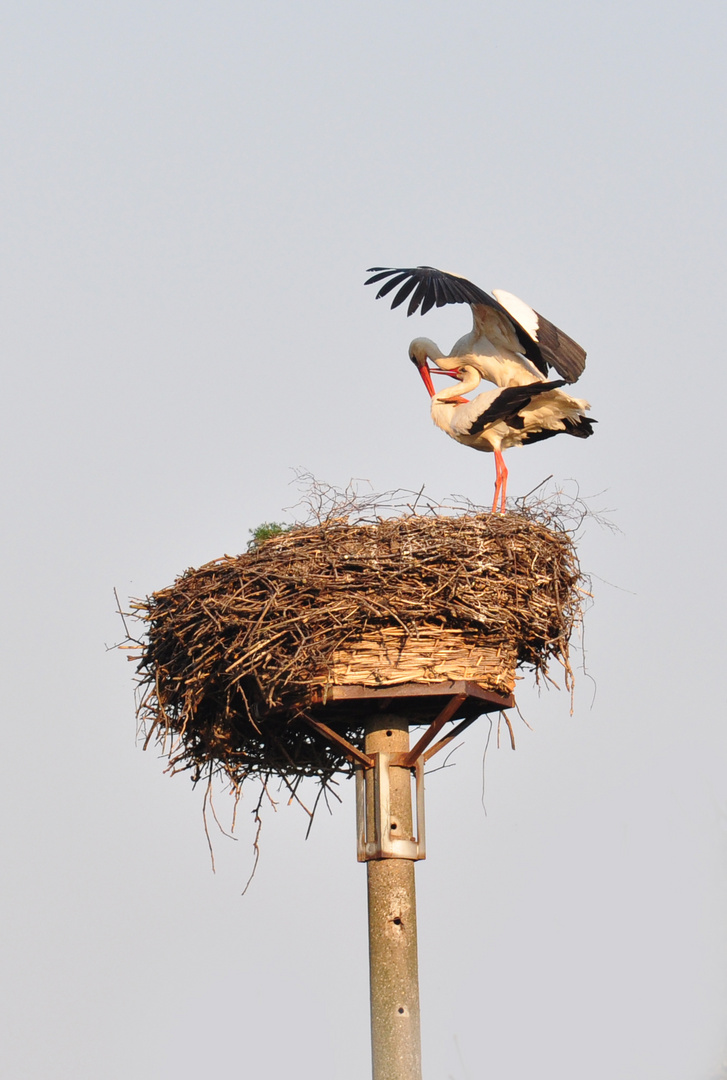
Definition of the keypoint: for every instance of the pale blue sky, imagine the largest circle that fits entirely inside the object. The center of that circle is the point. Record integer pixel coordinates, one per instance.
(192, 194)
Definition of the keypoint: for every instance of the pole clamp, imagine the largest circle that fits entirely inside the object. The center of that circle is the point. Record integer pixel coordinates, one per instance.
(386, 841)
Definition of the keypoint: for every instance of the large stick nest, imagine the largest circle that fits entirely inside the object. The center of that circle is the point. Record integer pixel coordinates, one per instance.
(233, 650)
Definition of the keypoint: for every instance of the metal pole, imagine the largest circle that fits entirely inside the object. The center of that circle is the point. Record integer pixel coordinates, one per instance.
(395, 1025)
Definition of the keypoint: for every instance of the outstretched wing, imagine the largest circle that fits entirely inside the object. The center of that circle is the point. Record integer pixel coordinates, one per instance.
(509, 402)
(426, 287)
(430, 288)
(557, 349)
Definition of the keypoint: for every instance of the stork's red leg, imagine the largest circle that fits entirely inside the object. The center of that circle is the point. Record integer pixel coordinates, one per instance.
(498, 479)
(500, 483)
(503, 484)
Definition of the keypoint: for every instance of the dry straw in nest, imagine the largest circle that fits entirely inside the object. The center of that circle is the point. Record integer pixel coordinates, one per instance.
(234, 650)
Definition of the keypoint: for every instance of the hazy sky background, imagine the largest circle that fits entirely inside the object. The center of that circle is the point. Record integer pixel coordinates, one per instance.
(192, 193)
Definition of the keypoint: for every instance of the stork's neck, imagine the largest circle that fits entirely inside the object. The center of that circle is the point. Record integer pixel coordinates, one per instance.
(470, 380)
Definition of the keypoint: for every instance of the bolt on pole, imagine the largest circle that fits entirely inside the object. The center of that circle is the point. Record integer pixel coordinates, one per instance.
(393, 965)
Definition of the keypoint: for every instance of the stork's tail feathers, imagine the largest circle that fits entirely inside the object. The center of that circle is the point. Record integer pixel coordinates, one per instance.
(581, 427)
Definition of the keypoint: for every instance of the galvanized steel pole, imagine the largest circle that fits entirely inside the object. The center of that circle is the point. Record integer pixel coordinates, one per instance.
(395, 1024)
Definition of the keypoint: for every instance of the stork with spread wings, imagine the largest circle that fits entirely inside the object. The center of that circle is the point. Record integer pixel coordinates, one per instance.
(510, 344)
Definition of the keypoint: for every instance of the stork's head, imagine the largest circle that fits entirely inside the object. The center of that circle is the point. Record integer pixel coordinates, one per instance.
(420, 351)
(423, 349)
(419, 355)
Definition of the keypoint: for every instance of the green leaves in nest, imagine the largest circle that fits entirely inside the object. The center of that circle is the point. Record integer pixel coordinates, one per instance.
(264, 532)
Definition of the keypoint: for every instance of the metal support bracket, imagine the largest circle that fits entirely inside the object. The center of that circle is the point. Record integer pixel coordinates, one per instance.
(378, 837)
(385, 843)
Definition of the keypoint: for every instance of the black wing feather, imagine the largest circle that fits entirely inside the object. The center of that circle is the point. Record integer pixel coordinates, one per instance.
(420, 294)
(379, 273)
(391, 284)
(403, 292)
(458, 290)
(430, 299)
(444, 293)
(560, 351)
(510, 401)
(438, 290)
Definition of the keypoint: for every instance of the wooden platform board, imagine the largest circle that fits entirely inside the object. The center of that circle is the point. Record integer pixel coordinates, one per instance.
(421, 701)
(337, 712)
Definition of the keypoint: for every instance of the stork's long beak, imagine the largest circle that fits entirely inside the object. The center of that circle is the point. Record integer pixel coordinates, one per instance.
(426, 379)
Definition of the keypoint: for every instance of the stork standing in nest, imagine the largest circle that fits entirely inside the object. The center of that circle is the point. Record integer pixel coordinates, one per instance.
(510, 344)
(498, 419)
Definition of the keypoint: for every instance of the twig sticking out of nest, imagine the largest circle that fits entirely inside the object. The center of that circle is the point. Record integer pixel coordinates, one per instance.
(233, 648)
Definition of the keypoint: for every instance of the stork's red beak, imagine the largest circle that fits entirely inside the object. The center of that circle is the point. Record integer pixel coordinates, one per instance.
(427, 379)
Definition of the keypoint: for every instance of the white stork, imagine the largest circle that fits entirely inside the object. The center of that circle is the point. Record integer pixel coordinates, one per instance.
(498, 419)
(509, 344)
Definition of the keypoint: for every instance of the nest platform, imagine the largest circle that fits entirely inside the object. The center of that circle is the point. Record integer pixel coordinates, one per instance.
(330, 622)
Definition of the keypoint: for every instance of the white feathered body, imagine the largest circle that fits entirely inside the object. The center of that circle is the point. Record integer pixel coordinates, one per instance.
(549, 412)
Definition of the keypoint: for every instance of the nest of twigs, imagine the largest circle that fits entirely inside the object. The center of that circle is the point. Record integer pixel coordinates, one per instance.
(237, 652)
